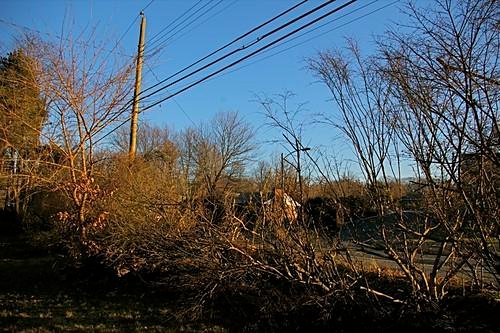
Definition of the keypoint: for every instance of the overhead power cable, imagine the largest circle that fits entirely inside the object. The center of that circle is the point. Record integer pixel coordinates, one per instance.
(228, 4)
(119, 40)
(146, 7)
(129, 103)
(122, 36)
(141, 97)
(247, 56)
(233, 63)
(175, 101)
(227, 55)
(208, 10)
(151, 40)
(315, 36)
(227, 45)
(178, 28)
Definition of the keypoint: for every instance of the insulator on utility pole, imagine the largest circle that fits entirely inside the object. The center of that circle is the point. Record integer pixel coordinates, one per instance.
(137, 91)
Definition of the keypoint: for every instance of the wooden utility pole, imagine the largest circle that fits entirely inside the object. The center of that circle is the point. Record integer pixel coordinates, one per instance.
(137, 91)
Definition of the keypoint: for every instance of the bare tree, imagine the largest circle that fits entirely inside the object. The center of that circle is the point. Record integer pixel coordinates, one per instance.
(446, 83)
(153, 142)
(282, 116)
(264, 176)
(87, 90)
(219, 150)
(363, 98)
(442, 117)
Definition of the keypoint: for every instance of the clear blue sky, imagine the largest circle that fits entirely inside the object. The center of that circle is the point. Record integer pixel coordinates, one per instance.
(228, 19)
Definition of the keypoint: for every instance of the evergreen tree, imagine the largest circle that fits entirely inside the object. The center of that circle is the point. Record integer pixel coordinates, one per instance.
(22, 109)
(22, 113)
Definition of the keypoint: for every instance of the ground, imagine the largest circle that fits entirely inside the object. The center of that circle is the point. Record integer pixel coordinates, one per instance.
(39, 293)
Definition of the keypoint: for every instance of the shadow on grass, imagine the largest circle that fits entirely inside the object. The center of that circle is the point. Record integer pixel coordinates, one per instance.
(38, 294)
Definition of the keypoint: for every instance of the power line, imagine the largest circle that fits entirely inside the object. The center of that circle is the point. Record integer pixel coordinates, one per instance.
(175, 101)
(227, 55)
(314, 37)
(228, 44)
(120, 39)
(125, 33)
(248, 55)
(173, 30)
(173, 22)
(204, 21)
(128, 29)
(193, 21)
(161, 47)
(232, 64)
(146, 7)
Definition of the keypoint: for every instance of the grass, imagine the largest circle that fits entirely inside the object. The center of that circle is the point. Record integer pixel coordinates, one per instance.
(37, 294)
(84, 312)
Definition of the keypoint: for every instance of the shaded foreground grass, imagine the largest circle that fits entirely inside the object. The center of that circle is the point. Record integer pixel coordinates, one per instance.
(84, 312)
(38, 294)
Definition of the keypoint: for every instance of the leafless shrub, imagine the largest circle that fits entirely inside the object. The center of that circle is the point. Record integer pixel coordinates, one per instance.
(84, 92)
(408, 104)
(449, 121)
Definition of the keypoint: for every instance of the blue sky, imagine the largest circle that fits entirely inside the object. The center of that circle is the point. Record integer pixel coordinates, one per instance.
(233, 91)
